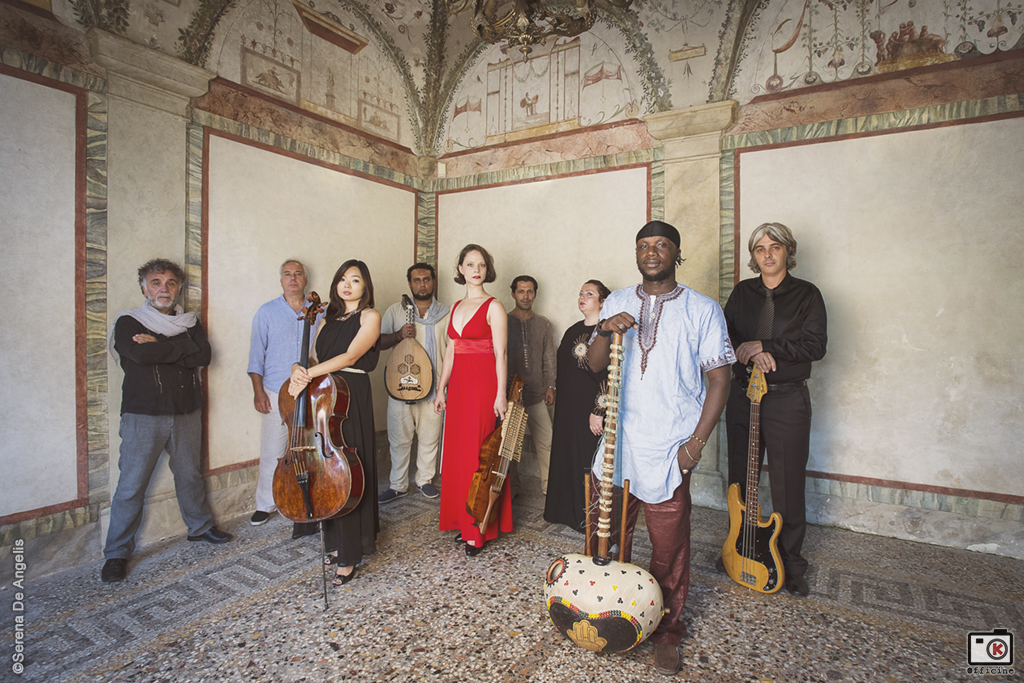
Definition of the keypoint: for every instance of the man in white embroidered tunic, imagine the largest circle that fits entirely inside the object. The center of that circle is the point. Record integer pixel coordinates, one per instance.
(672, 335)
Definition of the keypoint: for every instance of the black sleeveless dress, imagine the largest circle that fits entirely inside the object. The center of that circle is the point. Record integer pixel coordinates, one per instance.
(354, 534)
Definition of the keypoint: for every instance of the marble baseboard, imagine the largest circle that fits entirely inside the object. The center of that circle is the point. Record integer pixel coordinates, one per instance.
(54, 553)
(981, 534)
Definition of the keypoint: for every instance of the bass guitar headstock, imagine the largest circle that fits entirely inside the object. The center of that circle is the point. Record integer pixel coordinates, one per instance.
(758, 386)
(313, 308)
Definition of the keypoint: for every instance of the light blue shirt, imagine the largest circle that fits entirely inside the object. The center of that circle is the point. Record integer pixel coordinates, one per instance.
(661, 399)
(276, 342)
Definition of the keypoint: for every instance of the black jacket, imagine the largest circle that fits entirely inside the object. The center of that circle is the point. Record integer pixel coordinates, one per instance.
(161, 377)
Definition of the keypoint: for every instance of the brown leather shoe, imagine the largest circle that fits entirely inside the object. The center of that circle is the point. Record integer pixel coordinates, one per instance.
(666, 659)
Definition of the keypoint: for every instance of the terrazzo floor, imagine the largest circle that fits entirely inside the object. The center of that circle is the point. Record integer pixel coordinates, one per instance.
(420, 610)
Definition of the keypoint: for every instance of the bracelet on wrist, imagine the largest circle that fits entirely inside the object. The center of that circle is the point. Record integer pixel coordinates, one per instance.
(703, 443)
(600, 329)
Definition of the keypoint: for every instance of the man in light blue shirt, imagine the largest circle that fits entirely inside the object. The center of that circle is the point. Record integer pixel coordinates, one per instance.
(672, 336)
(275, 345)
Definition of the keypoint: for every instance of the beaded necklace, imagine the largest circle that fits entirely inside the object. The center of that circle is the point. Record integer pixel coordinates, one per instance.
(649, 319)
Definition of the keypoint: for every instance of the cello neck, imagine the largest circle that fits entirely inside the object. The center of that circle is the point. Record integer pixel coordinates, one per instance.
(309, 313)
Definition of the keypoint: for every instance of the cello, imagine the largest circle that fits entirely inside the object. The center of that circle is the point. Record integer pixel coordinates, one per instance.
(319, 476)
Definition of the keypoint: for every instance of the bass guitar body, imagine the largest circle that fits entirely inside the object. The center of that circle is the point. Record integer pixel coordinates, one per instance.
(319, 477)
(751, 551)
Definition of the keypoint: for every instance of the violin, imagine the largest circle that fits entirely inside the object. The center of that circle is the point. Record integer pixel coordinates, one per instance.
(319, 476)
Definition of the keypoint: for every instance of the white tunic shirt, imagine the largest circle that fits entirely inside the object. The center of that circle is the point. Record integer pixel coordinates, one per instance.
(663, 392)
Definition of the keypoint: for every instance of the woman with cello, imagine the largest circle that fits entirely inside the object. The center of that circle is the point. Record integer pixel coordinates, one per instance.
(474, 373)
(346, 342)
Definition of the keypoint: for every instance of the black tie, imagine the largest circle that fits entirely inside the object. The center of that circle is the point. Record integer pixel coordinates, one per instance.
(767, 319)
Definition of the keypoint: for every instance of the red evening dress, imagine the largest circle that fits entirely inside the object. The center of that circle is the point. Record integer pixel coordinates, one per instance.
(469, 418)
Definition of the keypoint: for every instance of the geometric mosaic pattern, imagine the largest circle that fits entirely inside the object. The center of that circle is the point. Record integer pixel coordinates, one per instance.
(879, 610)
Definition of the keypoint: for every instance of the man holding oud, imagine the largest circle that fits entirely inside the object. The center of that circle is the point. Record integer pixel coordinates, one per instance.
(161, 350)
(777, 323)
(275, 344)
(532, 356)
(672, 337)
(407, 419)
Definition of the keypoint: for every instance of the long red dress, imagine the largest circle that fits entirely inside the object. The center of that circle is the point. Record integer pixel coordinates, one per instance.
(469, 418)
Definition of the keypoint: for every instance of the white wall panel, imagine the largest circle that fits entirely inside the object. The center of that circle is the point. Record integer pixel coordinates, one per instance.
(265, 207)
(563, 232)
(37, 296)
(915, 241)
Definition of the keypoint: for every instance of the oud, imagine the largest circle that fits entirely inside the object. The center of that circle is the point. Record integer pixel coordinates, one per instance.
(408, 374)
(751, 552)
(600, 604)
(499, 449)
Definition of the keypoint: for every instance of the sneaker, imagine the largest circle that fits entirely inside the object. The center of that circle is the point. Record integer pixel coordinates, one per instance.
(389, 496)
(259, 517)
(429, 490)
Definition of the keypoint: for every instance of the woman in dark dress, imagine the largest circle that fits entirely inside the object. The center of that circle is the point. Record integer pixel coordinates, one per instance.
(578, 419)
(346, 343)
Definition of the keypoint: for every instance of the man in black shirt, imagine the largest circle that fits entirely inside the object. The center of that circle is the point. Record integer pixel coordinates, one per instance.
(777, 323)
(161, 349)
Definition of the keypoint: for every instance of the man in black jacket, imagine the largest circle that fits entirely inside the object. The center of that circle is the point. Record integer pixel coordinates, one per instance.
(777, 323)
(161, 349)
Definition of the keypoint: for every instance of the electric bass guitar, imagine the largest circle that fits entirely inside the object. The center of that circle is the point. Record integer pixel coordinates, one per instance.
(751, 552)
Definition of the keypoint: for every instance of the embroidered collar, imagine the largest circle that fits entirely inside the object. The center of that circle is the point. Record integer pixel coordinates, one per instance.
(649, 320)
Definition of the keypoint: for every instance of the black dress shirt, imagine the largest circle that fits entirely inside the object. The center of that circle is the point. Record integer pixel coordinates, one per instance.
(798, 333)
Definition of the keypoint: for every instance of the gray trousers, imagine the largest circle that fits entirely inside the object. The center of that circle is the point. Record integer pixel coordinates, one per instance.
(143, 439)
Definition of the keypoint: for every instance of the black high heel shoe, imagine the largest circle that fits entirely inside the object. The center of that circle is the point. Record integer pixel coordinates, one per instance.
(459, 539)
(473, 551)
(340, 580)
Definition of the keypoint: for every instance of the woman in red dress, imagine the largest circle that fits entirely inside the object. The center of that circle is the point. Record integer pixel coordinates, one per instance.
(474, 373)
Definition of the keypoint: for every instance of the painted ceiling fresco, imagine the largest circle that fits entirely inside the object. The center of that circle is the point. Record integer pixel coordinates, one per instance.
(412, 71)
(800, 43)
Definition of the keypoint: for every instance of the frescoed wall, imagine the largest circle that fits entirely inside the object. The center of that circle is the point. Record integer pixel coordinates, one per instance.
(336, 72)
(646, 115)
(802, 43)
(572, 84)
